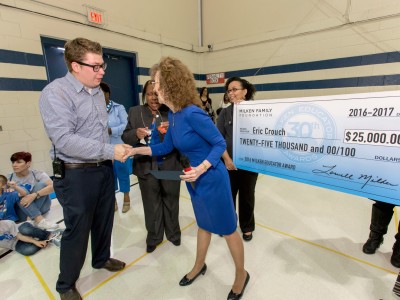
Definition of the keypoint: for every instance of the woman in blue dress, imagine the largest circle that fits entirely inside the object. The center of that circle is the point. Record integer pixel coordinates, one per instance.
(193, 133)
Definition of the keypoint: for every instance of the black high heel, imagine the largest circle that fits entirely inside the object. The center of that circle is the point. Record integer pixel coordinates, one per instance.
(233, 296)
(186, 281)
(248, 237)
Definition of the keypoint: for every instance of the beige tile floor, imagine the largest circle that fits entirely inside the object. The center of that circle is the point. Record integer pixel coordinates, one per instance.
(307, 245)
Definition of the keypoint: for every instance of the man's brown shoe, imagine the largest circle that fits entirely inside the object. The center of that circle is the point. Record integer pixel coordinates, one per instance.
(113, 265)
(72, 294)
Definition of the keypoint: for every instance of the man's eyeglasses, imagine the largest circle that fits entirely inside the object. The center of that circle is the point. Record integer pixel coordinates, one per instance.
(153, 82)
(234, 90)
(95, 68)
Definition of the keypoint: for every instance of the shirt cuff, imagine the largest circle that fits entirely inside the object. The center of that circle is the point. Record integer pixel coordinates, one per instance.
(109, 151)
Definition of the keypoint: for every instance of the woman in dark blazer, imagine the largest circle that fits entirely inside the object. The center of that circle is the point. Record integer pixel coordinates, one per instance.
(243, 182)
(147, 125)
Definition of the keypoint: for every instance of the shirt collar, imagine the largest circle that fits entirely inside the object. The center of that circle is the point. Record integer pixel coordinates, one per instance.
(78, 86)
(115, 103)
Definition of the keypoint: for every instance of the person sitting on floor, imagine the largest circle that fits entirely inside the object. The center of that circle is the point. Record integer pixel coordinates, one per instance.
(9, 199)
(38, 186)
(26, 238)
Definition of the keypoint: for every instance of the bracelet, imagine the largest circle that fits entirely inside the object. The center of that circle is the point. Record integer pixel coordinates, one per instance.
(205, 167)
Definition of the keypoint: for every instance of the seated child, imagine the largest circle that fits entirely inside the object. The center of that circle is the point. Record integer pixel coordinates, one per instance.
(8, 200)
(25, 238)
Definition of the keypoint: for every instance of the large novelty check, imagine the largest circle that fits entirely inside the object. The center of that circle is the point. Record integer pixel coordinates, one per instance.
(349, 143)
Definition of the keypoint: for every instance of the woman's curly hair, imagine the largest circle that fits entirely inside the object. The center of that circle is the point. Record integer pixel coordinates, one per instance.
(176, 82)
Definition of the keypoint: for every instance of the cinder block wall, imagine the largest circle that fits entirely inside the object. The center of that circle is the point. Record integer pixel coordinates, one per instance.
(305, 48)
(286, 48)
(150, 29)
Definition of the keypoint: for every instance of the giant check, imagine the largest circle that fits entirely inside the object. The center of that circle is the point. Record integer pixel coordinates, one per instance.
(349, 143)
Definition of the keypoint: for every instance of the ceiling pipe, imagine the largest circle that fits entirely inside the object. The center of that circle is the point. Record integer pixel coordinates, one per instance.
(200, 17)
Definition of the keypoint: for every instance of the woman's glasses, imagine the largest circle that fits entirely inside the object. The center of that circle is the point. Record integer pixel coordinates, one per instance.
(233, 90)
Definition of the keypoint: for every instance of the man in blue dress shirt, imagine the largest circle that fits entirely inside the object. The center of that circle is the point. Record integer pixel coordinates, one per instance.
(75, 118)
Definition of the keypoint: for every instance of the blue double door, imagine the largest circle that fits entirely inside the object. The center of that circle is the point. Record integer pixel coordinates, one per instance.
(121, 74)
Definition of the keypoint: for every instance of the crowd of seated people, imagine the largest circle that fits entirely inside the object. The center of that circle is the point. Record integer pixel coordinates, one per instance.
(24, 238)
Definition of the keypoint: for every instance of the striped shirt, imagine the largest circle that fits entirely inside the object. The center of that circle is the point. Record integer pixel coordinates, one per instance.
(76, 121)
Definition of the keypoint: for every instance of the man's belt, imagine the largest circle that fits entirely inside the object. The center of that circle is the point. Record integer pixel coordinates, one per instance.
(70, 166)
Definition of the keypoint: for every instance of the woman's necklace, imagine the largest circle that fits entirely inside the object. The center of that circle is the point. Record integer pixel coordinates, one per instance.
(156, 115)
(109, 106)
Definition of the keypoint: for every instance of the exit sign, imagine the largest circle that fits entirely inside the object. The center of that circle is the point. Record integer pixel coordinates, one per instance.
(95, 16)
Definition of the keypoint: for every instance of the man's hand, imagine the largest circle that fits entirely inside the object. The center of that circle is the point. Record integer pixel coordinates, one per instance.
(130, 152)
(133, 151)
(28, 199)
(120, 152)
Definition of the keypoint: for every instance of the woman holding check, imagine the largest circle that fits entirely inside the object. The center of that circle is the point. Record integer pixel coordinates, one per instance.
(243, 182)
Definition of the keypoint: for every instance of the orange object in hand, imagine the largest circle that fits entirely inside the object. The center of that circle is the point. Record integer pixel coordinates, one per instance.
(162, 129)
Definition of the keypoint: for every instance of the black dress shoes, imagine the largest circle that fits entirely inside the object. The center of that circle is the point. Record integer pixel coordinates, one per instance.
(113, 265)
(186, 281)
(72, 294)
(150, 248)
(248, 237)
(233, 296)
(177, 242)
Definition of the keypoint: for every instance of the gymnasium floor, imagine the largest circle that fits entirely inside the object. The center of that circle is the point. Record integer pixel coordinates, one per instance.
(307, 245)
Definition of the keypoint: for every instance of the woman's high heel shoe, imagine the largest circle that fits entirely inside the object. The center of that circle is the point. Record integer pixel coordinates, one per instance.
(233, 296)
(248, 237)
(186, 281)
